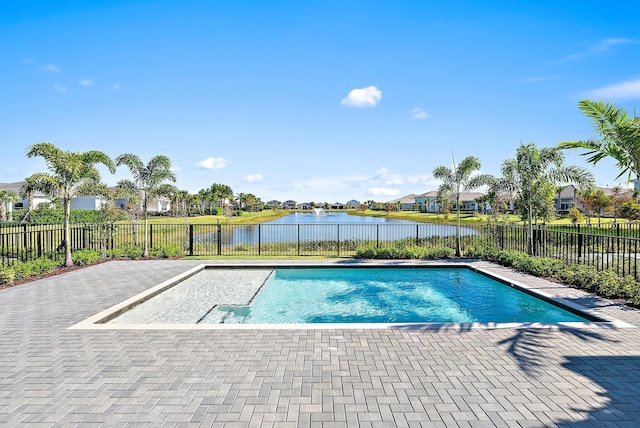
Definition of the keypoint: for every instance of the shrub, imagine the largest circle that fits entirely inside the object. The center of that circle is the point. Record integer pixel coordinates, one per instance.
(630, 210)
(85, 257)
(166, 251)
(34, 267)
(575, 215)
(406, 252)
(7, 275)
(130, 252)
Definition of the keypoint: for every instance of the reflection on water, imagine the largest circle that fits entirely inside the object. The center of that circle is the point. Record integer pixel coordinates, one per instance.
(306, 227)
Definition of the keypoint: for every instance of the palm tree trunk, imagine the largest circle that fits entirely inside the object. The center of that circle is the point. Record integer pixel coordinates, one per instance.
(145, 252)
(458, 252)
(68, 261)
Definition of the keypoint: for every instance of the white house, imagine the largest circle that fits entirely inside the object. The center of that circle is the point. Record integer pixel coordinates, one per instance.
(407, 203)
(429, 202)
(16, 187)
(88, 203)
(159, 205)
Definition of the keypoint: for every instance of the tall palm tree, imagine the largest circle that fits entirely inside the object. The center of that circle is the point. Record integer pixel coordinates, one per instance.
(6, 197)
(619, 137)
(533, 174)
(147, 181)
(69, 171)
(460, 179)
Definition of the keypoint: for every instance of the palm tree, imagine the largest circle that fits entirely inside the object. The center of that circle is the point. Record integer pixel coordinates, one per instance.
(532, 177)
(26, 192)
(68, 171)
(620, 137)
(147, 181)
(6, 197)
(458, 180)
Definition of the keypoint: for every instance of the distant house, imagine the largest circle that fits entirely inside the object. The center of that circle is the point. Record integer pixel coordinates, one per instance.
(337, 206)
(16, 187)
(353, 204)
(569, 197)
(273, 204)
(407, 203)
(429, 202)
(289, 205)
(304, 206)
(88, 203)
(159, 205)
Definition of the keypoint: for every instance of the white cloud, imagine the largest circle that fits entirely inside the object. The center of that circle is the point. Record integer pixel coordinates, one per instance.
(628, 89)
(538, 79)
(116, 86)
(418, 113)
(252, 178)
(52, 68)
(175, 167)
(365, 97)
(212, 163)
(86, 82)
(381, 191)
(60, 88)
(600, 47)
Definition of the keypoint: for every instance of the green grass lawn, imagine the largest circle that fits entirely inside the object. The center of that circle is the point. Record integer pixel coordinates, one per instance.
(245, 218)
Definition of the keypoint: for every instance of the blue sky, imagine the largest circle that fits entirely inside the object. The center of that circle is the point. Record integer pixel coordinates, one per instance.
(310, 100)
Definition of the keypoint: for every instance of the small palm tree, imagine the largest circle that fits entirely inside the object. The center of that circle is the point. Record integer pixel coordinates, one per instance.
(460, 179)
(6, 198)
(69, 171)
(533, 174)
(147, 181)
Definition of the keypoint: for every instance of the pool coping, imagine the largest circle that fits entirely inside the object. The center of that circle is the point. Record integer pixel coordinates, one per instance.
(100, 320)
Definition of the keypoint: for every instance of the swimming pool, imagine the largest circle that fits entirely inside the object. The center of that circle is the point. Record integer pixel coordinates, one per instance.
(342, 295)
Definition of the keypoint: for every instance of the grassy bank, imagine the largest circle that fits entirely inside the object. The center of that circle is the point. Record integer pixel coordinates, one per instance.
(245, 218)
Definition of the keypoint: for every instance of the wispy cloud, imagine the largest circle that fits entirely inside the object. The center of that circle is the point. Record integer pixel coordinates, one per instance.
(364, 97)
(60, 88)
(52, 68)
(116, 86)
(252, 178)
(212, 163)
(86, 82)
(175, 167)
(622, 90)
(419, 113)
(538, 79)
(603, 46)
(382, 191)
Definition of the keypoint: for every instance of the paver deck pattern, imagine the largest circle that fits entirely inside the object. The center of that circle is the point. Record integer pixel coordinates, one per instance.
(529, 377)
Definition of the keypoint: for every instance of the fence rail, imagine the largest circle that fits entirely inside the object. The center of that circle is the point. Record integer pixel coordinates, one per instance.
(617, 250)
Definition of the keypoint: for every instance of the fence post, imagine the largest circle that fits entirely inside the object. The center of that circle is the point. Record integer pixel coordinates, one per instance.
(39, 235)
(417, 234)
(259, 238)
(191, 239)
(219, 238)
(151, 236)
(579, 244)
(338, 240)
(377, 236)
(298, 228)
(24, 236)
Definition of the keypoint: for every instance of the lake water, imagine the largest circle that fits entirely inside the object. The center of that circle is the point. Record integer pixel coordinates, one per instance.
(338, 226)
(334, 218)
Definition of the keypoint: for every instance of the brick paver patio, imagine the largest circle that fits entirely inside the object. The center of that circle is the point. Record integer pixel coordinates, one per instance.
(528, 377)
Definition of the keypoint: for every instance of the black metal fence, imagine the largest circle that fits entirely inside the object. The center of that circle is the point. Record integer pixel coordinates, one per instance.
(609, 247)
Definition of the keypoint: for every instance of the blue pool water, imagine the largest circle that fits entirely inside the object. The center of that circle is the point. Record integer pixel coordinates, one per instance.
(383, 295)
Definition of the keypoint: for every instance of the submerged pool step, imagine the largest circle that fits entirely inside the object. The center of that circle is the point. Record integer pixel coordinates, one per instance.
(195, 300)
